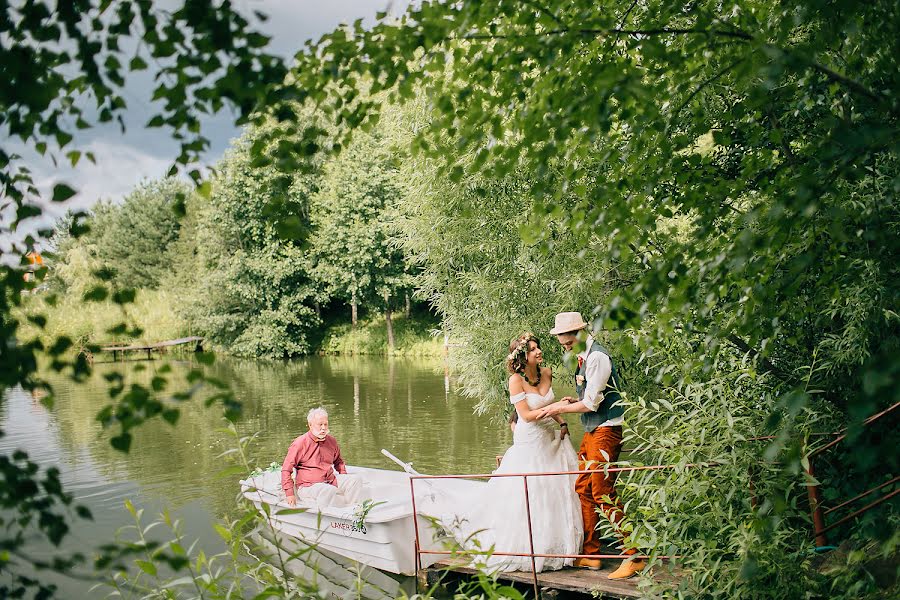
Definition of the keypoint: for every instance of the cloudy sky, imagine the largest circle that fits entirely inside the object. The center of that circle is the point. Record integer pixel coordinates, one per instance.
(126, 159)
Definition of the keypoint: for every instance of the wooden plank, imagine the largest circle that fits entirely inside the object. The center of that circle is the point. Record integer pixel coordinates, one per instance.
(165, 344)
(582, 581)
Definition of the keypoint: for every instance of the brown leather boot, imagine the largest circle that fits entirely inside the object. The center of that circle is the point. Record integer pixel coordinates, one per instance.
(628, 568)
(589, 563)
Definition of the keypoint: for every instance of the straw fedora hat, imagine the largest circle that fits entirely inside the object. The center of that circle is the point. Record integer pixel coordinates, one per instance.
(567, 322)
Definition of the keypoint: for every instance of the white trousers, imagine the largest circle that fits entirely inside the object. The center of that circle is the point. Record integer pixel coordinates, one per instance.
(347, 492)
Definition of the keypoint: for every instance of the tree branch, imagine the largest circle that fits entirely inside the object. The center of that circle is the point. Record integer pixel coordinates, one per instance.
(547, 12)
(706, 83)
(765, 363)
(833, 75)
(627, 13)
(607, 32)
(731, 34)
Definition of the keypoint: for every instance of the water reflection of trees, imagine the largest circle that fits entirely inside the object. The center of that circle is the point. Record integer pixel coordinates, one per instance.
(374, 403)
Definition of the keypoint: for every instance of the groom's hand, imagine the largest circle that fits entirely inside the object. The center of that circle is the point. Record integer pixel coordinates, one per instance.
(569, 399)
(553, 409)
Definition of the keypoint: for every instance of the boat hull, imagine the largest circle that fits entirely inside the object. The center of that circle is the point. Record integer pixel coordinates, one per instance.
(384, 539)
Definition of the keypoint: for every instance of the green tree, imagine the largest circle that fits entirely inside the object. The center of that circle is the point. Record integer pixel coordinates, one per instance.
(356, 240)
(131, 240)
(253, 292)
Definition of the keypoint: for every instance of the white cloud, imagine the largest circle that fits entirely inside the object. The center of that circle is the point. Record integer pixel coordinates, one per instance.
(119, 168)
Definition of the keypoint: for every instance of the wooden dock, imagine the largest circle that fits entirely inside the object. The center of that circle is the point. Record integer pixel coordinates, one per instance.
(155, 347)
(553, 584)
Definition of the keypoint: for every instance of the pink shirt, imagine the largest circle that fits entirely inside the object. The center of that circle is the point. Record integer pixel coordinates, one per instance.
(314, 461)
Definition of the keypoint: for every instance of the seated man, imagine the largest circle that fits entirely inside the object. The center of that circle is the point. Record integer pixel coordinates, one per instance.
(315, 456)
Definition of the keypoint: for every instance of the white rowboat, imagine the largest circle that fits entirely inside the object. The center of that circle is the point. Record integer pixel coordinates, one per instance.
(383, 539)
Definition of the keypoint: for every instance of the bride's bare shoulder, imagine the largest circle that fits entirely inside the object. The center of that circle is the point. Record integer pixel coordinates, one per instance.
(515, 384)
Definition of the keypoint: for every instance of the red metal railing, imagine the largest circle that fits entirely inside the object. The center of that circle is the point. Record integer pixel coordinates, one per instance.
(818, 514)
(815, 501)
(418, 547)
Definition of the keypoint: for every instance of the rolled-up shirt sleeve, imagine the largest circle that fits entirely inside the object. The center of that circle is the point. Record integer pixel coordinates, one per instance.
(597, 372)
(288, 466)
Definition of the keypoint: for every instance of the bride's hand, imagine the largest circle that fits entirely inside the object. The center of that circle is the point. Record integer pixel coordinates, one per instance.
(552, 409)
(563, 432)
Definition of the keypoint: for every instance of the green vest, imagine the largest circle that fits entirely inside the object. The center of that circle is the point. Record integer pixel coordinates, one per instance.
(608, 408)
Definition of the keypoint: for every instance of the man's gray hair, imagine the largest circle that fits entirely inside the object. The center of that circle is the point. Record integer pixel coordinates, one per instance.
(316, 411)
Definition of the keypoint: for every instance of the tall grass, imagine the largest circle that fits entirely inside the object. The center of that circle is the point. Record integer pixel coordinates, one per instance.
(152, 313)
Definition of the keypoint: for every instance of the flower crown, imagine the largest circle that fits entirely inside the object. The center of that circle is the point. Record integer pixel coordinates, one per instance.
(521, 346)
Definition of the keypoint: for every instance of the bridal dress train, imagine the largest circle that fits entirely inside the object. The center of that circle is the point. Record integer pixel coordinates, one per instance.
(499, 517)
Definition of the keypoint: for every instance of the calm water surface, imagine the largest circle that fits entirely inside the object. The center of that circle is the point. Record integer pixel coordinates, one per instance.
(409, 407)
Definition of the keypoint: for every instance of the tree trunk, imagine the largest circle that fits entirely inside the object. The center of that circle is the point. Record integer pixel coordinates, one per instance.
(408, 309)
(390, 329)
(353, 310)
(388, 322)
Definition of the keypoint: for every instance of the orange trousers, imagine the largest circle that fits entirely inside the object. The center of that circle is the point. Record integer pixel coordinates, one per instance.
(598, 490)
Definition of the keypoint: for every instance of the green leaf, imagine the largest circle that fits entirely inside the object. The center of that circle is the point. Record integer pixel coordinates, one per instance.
(290, 511)
(98, 293)
(62, 191)
(121, 442)
(171, 415)
(147, 567)
(137, 64)
(224, 533)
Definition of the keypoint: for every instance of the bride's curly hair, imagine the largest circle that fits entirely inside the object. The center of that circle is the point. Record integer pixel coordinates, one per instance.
(518, 352)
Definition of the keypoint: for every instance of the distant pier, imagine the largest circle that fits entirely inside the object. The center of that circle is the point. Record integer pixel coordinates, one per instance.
(157, 347)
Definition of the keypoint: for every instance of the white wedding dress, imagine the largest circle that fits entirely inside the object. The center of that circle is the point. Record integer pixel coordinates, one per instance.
(499, 518)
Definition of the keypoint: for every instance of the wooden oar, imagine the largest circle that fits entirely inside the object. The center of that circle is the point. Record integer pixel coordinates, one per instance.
(408, 468)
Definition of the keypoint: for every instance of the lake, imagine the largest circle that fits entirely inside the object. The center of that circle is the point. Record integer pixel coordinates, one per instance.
(409, 407)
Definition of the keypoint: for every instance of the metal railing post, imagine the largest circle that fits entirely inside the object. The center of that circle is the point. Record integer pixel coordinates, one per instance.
(537, 592)
(815, 505)
(415, 517)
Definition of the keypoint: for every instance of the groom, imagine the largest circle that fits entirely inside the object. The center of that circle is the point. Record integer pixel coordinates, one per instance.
(596, 383)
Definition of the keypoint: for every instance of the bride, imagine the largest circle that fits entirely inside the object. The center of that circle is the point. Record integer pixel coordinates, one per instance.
(500, 518)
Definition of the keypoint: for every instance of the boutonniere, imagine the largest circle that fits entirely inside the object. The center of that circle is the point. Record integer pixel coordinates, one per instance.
(579, 380)
(580, 361)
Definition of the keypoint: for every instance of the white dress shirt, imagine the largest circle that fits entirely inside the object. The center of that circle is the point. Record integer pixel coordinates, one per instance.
(597, 369)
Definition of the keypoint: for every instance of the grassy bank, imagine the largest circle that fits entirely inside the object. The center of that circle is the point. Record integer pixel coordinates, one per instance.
(412, 337)
(93, 322)
(153, 312)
